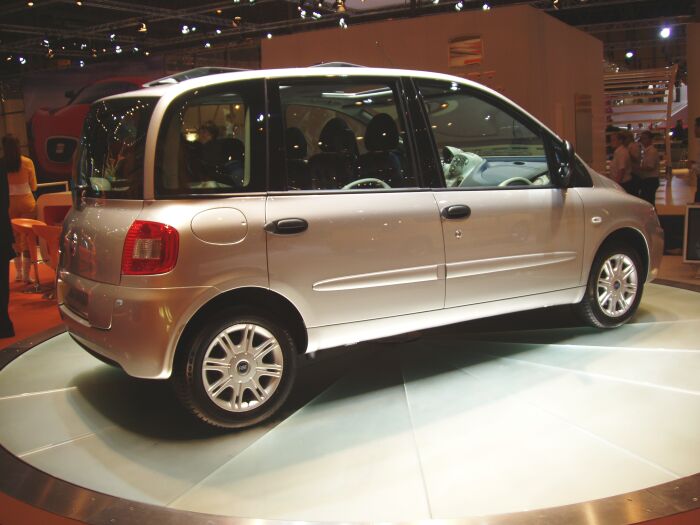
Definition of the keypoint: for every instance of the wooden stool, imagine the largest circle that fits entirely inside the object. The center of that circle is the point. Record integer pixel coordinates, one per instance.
(23, 229)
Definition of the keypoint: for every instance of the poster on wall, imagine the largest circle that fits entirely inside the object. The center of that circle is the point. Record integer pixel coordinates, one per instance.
(56, 103)
(465, 51)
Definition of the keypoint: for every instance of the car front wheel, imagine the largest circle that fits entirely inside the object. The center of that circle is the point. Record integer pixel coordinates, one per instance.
(614, 287)
(236, 371)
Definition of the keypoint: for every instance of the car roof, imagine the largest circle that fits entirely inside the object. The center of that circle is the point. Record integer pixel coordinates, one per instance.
(305, 72)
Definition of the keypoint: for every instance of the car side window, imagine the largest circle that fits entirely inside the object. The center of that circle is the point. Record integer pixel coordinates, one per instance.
(481, 143)
(345, 135)
(207, 145)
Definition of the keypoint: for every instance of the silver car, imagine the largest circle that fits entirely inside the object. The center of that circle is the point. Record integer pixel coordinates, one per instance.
(226, 224)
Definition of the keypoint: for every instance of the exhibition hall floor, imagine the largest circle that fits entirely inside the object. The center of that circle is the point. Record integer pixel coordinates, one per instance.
(491, 417)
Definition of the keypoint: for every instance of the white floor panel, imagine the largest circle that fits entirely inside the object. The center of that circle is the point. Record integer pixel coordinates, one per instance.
(456, 424)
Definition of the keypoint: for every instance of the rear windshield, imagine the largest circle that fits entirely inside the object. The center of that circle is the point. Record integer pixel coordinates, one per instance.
(109, 161)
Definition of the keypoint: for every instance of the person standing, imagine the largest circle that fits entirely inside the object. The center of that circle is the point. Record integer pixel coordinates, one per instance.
(634, 148)
(695, 164)
(21, 178)
(621, 165)
(6, 253)
(649, 168)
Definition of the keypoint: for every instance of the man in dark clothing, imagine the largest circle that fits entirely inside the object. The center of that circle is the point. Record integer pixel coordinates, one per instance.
(6, 253)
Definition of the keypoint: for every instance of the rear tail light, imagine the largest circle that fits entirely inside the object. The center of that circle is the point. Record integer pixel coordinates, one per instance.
(150, 248)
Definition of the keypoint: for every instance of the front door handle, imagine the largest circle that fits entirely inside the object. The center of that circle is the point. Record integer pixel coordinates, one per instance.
(286, 226)
(457, 211)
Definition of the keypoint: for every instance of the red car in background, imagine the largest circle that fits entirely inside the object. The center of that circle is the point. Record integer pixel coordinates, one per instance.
(54, 133)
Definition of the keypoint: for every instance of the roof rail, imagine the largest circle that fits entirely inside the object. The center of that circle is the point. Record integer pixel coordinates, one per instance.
(190, 73)
(336, 64)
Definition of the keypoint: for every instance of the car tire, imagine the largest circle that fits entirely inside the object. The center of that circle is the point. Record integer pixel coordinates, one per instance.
(614, 288)
(236, 370)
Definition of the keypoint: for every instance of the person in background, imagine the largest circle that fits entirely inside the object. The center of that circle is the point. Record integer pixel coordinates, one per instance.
(649, 168)
(694, 165)
(6, 253)
(634, 148)
(621, 165)
(21, 179)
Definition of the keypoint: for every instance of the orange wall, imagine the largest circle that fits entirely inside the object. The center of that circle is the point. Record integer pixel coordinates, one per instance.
(530, 57)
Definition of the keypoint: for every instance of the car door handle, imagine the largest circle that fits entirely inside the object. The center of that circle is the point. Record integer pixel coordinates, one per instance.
(457, 211)
(286, 226)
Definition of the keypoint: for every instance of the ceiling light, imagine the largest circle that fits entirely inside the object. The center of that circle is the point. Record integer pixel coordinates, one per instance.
(185, 30)
(143, 28)
(207, 44)
(78, 3)
(629, 54)
(82, 63)
(218, 31)
(459, 5)
(342, 23)
(22, 60)
(118, 49)
(218, 11)
(486, 6)
(436, 2)
(112, 36)
(269, 35)
(665, 32)
(30, 4)
(147, 53)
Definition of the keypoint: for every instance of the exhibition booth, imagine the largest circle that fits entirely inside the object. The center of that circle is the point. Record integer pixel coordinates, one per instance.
(527, 417)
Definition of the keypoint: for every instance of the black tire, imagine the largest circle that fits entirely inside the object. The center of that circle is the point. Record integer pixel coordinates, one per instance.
(617, 310)
(245, 398)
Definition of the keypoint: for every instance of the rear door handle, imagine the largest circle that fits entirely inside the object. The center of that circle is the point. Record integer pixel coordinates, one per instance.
(456, 211)
(286, 226)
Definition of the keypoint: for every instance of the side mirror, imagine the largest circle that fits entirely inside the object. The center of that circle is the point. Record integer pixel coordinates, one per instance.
(563, 172)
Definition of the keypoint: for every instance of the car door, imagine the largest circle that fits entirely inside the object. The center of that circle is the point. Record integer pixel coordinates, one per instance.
(508, 230)
(351, 236)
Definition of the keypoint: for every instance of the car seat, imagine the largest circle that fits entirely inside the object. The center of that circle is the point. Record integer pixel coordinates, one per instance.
(336, 165)
(383, 161)
(298, 176)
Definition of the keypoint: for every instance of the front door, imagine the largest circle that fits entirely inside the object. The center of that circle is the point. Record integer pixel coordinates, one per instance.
(509, 232)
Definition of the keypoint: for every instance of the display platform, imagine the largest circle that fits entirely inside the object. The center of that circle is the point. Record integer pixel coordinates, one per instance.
(493, 417)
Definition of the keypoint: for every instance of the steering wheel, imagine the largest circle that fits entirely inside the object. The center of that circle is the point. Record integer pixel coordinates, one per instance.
(522, 181)
(354, 184)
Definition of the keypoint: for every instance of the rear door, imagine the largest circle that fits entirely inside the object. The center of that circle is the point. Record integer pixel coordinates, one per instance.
(353, 236)
(509, 232)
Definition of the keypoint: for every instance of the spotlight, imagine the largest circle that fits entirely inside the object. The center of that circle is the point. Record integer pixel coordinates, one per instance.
(486, 6)
(629, 54)
(185, 30)
(207, 44)
(459, 5)
(219, 11)
(269, 35)
(665, 32)
(22, 60)
(218, 31)
(82, 63)
(78, 3)
(112, 37)
(30, 4)
(118, 50)
(342, 23)
(436, 2)
(143, 28)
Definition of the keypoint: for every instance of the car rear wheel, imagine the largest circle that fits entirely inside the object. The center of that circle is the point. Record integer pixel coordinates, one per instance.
(614, 287)
(236, 371)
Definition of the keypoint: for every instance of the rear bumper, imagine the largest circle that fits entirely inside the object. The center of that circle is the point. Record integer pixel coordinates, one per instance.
(136, 328)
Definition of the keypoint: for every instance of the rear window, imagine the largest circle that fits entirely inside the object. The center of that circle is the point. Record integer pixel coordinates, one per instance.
(109, 161)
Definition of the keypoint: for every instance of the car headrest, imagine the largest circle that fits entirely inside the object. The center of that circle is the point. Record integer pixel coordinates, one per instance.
(232, 149)
(382, 133)
(296, 143)
(337, 137)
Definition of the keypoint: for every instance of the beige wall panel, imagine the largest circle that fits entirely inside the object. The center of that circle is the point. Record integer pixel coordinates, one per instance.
(530, 57)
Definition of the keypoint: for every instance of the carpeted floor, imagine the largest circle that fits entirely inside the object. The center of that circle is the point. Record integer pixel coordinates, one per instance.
(31, 313)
